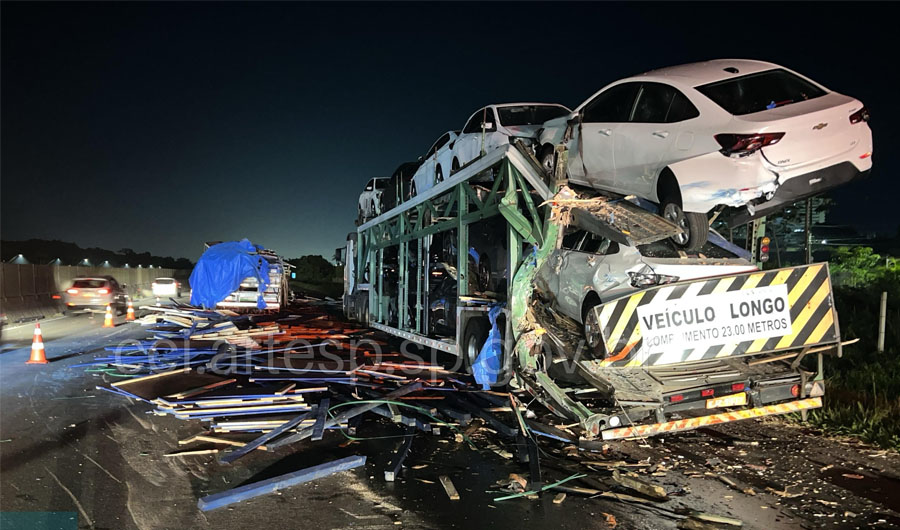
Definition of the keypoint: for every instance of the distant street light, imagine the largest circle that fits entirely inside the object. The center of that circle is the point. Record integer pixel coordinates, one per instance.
(105, 263)
(19, 260)
(85, 262)
(57, 261)
(127, 266)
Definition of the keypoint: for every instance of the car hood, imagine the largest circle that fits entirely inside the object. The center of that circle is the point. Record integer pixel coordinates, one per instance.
(525, 131)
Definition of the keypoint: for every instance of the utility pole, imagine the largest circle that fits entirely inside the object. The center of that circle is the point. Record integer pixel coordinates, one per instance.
(882, 318)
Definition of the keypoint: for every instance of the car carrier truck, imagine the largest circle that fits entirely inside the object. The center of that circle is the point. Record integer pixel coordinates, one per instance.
(456, 269)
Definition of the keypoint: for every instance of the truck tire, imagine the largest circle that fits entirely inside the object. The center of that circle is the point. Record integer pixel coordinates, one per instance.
(548, 160)
(592, 331)
(473, 340)
(695, 225)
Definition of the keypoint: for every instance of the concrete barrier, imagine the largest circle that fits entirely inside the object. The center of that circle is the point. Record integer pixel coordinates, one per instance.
(26, 291)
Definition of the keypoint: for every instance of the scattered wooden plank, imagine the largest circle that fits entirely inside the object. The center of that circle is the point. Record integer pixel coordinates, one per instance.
(559, 498)
(217, 500)
(287, 389)
(393, 469)
(344, 416)
(449, 487)
(321, 416)
(188, 452)
(644, 488)
(234, 455)
(200, 389)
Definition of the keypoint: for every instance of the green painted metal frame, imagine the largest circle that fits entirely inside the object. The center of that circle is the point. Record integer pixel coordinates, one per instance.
(454, 209)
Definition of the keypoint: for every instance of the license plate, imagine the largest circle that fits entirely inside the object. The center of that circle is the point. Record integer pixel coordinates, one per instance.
(734, 400)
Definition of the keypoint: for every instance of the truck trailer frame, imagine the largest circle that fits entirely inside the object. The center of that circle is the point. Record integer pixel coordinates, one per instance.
(631, 390)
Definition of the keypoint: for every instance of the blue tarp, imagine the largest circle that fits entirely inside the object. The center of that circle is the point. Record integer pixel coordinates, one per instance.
(220, 270)
(487, 365)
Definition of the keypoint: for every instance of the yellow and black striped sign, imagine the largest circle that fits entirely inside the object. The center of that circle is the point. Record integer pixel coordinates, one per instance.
(687, 424)
(812, 314)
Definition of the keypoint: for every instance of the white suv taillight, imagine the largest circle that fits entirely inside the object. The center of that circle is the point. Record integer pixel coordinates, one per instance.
(860, 115)
(745, 144)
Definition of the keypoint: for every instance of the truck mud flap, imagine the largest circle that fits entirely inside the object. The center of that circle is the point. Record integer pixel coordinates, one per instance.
(742, 314)
(641, 431)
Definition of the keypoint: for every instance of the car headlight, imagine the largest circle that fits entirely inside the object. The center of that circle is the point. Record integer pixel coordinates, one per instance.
(649, 279)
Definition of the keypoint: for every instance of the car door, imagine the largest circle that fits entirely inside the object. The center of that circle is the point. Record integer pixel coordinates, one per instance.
(433, 166)
(424, 176)
(583, 265)
(600, 120)
(468, 146)
(644, 142)
(365, 199)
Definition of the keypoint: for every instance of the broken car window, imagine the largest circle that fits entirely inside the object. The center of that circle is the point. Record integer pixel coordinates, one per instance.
(760, 91)
(529, 114)
(611, 106)
(681, 109)
(653, 103)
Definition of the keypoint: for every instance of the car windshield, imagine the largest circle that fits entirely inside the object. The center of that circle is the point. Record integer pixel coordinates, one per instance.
(529, 114)
(89, 284)
(760, 91)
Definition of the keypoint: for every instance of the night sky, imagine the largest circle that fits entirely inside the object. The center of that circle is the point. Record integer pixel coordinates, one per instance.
(160, 126)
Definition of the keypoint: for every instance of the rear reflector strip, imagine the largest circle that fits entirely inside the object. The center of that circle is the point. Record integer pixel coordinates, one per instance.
(639, 431)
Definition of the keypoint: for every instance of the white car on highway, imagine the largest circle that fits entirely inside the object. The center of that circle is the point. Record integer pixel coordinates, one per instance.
(497, 125)
(166, 287)
(436, 164)
(370, 199)
(718, 133)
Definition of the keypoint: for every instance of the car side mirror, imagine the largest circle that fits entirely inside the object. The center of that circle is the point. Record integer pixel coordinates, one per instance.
(487, 125)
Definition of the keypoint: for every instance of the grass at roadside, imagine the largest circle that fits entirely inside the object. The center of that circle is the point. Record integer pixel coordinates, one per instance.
(862, 389)
(862, 398)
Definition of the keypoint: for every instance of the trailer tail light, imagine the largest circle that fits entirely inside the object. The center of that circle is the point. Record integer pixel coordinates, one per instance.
(737, 387)
(72, 291)
(745, 144)
(676, 398)
(860, 115)
(56, 297)
(103, 291)
(795, 390)
(707, 392)
(867, 154)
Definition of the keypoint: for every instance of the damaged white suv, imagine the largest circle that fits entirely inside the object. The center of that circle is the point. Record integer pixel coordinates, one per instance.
(497, 125)
(701, 136)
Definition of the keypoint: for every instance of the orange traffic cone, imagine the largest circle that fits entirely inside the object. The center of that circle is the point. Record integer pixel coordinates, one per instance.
(37, 347)
(129, 315)
(107, 319)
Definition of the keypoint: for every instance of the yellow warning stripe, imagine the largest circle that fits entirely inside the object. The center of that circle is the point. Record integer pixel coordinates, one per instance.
(823, 327)
(623, 320)
(781, 277)
(724, 417)
(800, 322)
(724, 284)
(802, 284)
(752, 280)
